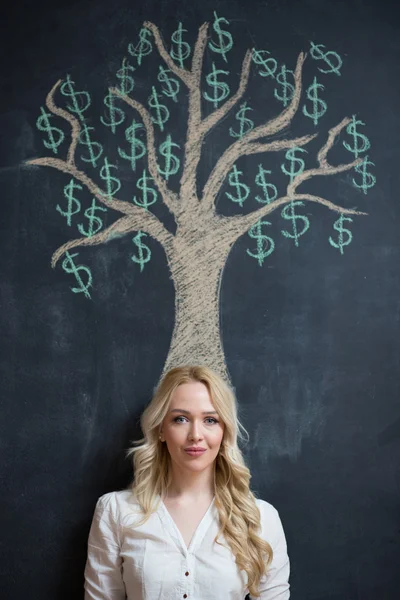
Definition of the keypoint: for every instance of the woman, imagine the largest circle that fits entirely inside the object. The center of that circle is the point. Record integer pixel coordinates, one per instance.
(189, 527)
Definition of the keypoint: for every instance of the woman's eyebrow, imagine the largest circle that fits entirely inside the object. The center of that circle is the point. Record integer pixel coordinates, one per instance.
(187, 412)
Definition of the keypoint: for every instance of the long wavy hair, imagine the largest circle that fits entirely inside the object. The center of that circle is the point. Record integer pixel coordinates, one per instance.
(239, 515)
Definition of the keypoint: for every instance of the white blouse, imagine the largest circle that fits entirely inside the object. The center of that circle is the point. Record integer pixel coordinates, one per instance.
(152, 562)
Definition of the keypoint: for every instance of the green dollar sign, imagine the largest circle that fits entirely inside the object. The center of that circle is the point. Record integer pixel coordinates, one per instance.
(319, 106)
(172, 86)
(144, 252)
(138, 148)
(70, 267)
(287, 88)
(368, 180)
(261, 182)
(127, 82)
(113, 184)
(292, 158)
(246, 124)
(289, 213)
(141, 184)
(74, 206)
(265, 244)
(338, 225)
(172, 162)
(143, 48)
(162, 112)
(242, 190)
(180, 50)
(221, 89)
(80, 100)
(94, 222)
(114, 120)
(95, 149)
(43, 124)
(361, 142)
(318, 54)
(225, 41)
(262, 58)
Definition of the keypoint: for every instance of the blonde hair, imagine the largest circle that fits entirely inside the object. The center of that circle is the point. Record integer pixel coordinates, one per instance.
(238, 513)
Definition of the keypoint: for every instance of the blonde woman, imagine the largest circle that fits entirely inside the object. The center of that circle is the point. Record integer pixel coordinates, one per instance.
(189, 527)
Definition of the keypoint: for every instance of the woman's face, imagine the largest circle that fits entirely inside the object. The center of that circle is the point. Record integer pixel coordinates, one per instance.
(192, 421)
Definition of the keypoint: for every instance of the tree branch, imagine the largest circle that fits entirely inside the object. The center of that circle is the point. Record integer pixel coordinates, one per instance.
(281, 121)
(223, 110)
(145, 221)
(242, 223)
(69, 167)
(198, 54)
(169, 198)
(64, 114)
(231, 155)
(324, 167)
(241, 146)
(183, 74)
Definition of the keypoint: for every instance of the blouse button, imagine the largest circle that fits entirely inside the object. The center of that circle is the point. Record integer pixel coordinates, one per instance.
(185, 595)
(187, 573)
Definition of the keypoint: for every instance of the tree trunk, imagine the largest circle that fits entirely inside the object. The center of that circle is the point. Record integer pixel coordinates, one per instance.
(196, 269)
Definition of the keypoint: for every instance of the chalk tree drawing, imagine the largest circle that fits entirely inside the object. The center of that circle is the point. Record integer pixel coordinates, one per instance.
(198, 250)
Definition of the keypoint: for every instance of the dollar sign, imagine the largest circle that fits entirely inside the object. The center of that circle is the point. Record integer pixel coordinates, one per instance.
(242, 190)
(143, 48)
(138, 149)
(260, 57)
(69, 267)
(368, 180)
(225, 41)
(179, 50)
(361, 142)
(142, 185)
(162, 112)
(172, 162)
(221, 89)
(55, 135)
(338, 225)
(172, 85)
(127, 81)
(291, 156)
(80, 100)
(109, 101)
(144, 252)
(319, 106)
(260, 181)
(95, 223)
(318, 54)
(74, 206)
(113, 184)
(265, 244)
(95, 149)
(246, 124)
(289, 213)
(287, 88)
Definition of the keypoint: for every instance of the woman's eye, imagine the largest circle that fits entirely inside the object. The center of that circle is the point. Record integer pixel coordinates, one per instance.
(176, 420)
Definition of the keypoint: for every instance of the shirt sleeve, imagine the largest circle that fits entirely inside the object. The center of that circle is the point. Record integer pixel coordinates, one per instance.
(275, 584)
(103, 571)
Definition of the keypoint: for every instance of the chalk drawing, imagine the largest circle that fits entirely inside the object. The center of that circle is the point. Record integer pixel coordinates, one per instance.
(197, 251)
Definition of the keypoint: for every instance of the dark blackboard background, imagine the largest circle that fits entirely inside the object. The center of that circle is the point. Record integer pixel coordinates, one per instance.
(311, 340)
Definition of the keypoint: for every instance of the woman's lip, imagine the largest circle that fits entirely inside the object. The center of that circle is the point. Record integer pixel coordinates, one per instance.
(195, 451)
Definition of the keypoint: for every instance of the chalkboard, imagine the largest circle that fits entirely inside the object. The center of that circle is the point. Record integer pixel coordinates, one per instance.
(202, 182)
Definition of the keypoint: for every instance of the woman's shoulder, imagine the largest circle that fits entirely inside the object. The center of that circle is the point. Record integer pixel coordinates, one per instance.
(118, 502)
(266, 509)
(271, 524)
